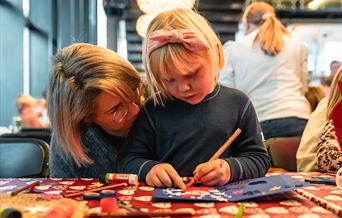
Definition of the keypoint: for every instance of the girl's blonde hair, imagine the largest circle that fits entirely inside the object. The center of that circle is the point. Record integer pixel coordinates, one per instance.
(271, 30)
(175, 55)
(335, 94)
(80, 73)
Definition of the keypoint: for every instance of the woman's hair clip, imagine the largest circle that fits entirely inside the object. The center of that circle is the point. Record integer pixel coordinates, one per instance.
(266, 15)
(77, 80)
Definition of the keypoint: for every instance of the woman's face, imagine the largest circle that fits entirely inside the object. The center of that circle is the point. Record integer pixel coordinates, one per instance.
(114, 115)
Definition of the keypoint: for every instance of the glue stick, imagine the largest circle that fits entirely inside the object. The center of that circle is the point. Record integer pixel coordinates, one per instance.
(130, 179)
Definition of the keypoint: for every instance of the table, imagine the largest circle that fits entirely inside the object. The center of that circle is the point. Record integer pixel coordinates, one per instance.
(308, 202)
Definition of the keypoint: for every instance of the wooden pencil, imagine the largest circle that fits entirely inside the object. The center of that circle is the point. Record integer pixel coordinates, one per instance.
(76, 194)
(29, 186)
(220, 151)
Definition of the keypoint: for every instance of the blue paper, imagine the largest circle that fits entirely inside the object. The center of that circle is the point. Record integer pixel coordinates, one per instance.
(238, 191)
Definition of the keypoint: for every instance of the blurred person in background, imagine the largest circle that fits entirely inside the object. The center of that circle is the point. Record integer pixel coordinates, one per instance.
(269, 64)
(27, 113)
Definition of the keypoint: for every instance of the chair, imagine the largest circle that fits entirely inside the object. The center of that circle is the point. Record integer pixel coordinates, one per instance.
(36, 133)
(283, 152)
(23, 157)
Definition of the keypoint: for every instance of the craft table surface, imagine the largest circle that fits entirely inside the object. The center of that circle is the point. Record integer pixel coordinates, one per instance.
(309, 202)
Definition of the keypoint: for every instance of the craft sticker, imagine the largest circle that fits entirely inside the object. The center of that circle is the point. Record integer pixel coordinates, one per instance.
(4, 182)
(310, 215)
(126, 192)
(42, 187)
(146, 188)
(259, 216)
(206, 205)
(24, 179)
(186, 210)
(290, 203)
(125, 197)
(277, 210)
(79, 187)
(8, 187)
(229, 209)
(143, 198)
(66, 182)
(162, 205)
(87, 179)
(336, 192)
(253, 210)
(60, 187)
(311, 188)
(300, 209)
(333, 198)
(144, 210)
(210, 216)
(250, 204)
(318, 209)
(53, 192)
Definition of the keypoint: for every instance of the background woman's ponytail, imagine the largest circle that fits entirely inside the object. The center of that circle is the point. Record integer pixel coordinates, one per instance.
(271, 30)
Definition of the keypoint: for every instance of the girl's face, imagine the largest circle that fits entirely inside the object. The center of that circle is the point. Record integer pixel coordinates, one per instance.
(114, 115)
(191, 84)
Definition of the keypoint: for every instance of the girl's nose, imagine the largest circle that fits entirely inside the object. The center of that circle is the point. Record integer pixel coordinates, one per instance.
(184, 86)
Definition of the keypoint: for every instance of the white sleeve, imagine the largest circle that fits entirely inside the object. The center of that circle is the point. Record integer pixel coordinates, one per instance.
(303, 67)
(226, 75)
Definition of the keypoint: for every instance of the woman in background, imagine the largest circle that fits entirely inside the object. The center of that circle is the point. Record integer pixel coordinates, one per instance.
(269, 65)
(93, 99)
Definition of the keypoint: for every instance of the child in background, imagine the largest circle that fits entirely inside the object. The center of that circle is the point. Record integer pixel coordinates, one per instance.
(189, 115)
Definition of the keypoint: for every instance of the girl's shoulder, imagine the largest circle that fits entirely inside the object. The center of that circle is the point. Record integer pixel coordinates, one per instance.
(233, 94)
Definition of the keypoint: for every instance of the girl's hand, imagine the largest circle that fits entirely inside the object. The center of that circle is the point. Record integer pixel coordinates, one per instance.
(213, 173)
(164, 175)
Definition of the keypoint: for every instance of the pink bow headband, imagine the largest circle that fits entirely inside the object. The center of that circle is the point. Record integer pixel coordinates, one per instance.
(187, 38)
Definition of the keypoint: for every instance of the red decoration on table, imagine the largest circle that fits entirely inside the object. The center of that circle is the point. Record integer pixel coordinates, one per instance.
(108, 205)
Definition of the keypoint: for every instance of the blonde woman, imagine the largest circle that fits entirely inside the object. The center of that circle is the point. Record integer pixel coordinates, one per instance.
(329, 152)
(93, 99)
(269, 65)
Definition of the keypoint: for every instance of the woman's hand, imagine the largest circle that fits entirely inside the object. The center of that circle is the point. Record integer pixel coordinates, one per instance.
(213, 173)
(164, 175)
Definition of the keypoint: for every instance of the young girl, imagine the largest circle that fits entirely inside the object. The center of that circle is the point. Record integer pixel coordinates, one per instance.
(190, 115)
(93, 99)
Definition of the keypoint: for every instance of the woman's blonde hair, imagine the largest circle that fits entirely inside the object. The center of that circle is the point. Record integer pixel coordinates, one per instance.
(80, 73)
(175, 55)
(271, 30)
(335, 93)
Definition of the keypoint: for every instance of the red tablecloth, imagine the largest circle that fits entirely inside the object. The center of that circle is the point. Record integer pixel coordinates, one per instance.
(327, 196)
(290, 204)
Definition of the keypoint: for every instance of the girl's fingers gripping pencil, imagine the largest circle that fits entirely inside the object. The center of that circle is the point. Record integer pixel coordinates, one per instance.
(219, 152)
